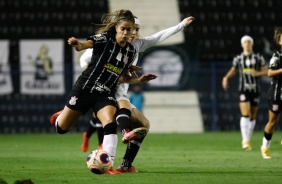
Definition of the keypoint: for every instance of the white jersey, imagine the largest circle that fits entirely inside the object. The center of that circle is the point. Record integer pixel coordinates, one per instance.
(140, 45)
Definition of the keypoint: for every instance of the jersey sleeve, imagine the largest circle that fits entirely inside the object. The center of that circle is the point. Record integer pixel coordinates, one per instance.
(85, 58)
(144, 43)
(235, 62)
(274, 62)
(262, 61)
(98, 39)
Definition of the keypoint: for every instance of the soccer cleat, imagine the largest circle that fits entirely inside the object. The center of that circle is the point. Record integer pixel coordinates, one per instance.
(137, 133)
(112, 171)
(100, 147)
(265, 153)
(246, 146)
(85, 143)
(54, 117)
(129, 170)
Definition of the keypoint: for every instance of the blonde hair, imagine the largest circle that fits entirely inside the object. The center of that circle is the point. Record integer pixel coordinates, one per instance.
(110, 20)
(277, 34)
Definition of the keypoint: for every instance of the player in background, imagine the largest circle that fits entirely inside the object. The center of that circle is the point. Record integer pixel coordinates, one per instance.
(274, 95)
(128, 111)
(250, 67)
(95, 87)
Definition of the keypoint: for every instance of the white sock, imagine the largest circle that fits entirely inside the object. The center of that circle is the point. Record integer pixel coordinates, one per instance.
(244, 125)
(251, 128)
(265, 143)
(110, 145)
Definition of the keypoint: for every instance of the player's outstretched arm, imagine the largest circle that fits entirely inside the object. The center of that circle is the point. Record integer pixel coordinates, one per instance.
(144, 43)
(79, 46)
(137, 80)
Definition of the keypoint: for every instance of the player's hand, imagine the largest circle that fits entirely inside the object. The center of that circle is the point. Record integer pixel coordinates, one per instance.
(225, 83)
(72, 41)
(147, 77)
(188, 21)
(255, 74)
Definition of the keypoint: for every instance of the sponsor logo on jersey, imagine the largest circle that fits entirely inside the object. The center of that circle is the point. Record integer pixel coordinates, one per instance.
(113, 68)
(248, 70)
(99, 37)
(73, 100)
(101, 87)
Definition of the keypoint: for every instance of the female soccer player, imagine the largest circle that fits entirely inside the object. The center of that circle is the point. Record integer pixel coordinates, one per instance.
(274, 95)
(127, 110)
(250, 66)
(95, 87)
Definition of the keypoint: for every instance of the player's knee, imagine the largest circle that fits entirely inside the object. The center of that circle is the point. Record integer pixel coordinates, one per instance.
(146, 123)
(110, 128)
(59, 130)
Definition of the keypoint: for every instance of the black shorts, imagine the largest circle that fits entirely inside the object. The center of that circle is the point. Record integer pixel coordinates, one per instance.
(252, 97)
(81, 100)
(274, 105)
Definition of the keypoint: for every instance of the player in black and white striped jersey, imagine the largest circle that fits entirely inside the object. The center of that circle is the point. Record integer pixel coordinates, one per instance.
(274, 95)
(250, 67)
(95, 88)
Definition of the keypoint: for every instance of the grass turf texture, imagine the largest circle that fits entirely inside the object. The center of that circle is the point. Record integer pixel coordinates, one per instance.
(163, 158)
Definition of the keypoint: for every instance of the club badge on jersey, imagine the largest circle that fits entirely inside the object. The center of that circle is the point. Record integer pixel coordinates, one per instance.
(119, 56)
(73, 100)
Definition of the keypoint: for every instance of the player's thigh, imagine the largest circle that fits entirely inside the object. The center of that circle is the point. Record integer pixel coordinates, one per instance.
(68, 117)
(253, 113)
(138, 119)
(272, 121)
(107, 114)
(245, 108)
(124, 104)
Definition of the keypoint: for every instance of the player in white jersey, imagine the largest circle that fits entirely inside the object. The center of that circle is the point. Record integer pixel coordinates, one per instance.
(127, 110)
(250, 67)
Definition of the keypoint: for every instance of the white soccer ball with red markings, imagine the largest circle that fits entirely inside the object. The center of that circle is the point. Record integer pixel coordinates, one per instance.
(99, 161)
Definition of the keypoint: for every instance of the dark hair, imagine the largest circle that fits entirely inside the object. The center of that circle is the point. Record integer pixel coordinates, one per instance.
(110, 20)
(277, 34)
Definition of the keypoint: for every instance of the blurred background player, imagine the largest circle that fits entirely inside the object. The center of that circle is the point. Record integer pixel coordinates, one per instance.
(250, 66)
(138, 119)
(274, 95)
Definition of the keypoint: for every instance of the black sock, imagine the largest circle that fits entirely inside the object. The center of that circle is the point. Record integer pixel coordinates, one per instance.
(123, 120)
(131, 152)
(100, 132)
(59, 130)
(91, 128)
(268, 136)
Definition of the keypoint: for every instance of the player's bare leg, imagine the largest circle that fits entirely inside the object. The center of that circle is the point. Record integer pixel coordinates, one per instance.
(268, 132)
(138, 120)
(245, 108)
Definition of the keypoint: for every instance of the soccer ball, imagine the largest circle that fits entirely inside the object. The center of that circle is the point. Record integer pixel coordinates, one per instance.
(99, 161)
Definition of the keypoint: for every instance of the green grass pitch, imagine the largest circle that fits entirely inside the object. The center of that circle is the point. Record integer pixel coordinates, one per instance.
(163, 158)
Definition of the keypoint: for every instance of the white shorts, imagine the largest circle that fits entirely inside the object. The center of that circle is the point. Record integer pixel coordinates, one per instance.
(121, 94)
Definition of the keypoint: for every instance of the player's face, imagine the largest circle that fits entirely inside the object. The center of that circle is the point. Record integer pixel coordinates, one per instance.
(280, 41)
(124, 31)
(247, 45)
(135, 33)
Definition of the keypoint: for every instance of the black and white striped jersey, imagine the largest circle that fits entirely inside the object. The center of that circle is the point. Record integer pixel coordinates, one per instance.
(276, 83)
(246, 65)
(108, 61)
